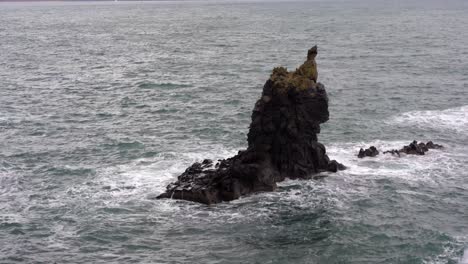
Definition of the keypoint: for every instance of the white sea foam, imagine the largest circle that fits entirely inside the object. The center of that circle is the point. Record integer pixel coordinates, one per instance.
(8, 182)
(450, 252)
(141, 179)
(159, 171)
(453, 119)
(383, 164)
(115, 186)
(464, 259)
(437, 168)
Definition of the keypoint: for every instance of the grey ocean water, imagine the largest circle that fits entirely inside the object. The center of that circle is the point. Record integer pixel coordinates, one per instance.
(103, 104)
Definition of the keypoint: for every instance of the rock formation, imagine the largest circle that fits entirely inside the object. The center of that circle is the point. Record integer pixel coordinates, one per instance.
(369, 152)
(282, 142)
(414, 148)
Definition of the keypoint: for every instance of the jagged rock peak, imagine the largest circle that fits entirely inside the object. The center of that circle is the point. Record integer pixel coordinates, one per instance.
(312, 53)
(301, 79)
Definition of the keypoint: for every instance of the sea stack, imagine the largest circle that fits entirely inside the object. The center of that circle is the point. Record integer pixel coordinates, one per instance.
(282, 142)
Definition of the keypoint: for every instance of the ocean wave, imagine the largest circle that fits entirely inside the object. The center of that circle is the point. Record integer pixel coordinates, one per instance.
(143, 178)
(147, 177)
(9, 182)
(452, 119)
(452, 252)
(434, 168)
(162, 85)
(464, 258)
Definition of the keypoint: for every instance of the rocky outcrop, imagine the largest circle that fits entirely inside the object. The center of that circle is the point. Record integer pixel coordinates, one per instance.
(369, 152)
(282, 142)
(414, 148)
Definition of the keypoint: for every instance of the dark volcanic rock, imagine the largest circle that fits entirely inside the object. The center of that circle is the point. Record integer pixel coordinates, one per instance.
(431, 145)
(393, 152)
(282, 142)
(335, 166)
(415, 148)
(370, 152)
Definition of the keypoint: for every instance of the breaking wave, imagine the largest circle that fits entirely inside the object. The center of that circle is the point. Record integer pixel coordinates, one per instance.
(452, 119)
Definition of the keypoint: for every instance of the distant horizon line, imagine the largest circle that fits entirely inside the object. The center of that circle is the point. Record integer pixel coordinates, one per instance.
(3, 1)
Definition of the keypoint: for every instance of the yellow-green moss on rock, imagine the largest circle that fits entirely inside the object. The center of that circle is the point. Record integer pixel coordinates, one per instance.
(303, 78)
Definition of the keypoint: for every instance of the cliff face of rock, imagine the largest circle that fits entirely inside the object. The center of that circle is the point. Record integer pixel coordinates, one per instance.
(282, 142)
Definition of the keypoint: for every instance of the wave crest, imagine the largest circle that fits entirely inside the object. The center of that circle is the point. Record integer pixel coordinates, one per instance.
(453, 119)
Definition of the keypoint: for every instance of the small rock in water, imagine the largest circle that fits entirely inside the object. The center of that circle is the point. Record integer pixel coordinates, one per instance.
(370, 152)
(335, 166)
(431, 145)
(393, 152)
(414, 148)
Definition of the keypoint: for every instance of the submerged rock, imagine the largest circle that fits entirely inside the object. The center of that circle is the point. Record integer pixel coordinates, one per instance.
(393, 152)
(282, 142)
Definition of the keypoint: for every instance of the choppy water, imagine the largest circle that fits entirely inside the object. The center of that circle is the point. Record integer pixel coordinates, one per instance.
(103, 104)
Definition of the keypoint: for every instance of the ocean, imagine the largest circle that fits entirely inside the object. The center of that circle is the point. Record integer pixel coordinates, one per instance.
(102, 104)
